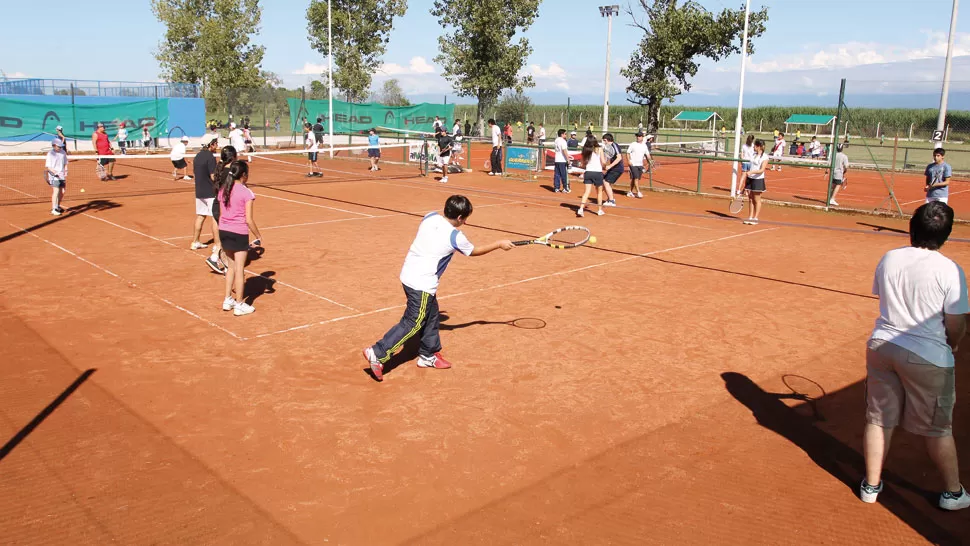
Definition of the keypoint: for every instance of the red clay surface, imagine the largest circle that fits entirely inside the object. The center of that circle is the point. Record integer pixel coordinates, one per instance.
(651, 409)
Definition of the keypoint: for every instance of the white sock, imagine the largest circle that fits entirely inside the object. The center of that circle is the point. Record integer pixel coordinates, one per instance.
(215, 253)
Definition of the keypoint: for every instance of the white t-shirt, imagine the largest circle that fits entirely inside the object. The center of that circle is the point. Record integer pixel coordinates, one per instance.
(236, 140)
(779, 149)
(747, 152)
(178, 151)
(122, 134)
(594, 165)
(432, 250)
(496, 136)
(57, 163)
(637, 152)
(542, 133)
(756, 162)
(437, 123)
(916, 287)
(815, 147)
(311, 143)
(562, 150)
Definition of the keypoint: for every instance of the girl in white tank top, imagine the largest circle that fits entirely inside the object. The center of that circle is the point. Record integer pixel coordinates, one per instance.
(593, 159)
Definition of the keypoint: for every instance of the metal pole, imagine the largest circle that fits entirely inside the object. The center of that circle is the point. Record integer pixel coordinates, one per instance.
(608, 13)
(73, 117)
(941, 120)
(737, 121)
(330, 76)
(834, 150)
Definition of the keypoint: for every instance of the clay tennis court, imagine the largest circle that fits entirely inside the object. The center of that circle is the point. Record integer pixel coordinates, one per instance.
(655, 406)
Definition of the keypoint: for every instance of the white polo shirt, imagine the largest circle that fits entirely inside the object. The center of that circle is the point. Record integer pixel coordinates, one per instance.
(637, 152)
(916, 287)
(178, 151)
(562, 150)
(432, 250)
(496, 136)
(236, 140)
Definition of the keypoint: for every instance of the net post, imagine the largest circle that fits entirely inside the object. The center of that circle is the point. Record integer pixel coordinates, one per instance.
(424, 156)
(700, 173)
(649, 176)
(834, 151)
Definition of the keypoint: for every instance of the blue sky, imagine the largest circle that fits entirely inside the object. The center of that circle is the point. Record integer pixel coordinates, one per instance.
(809, 45)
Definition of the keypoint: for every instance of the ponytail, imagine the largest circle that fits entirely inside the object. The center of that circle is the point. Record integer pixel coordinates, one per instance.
(227, 157)
(237, 170)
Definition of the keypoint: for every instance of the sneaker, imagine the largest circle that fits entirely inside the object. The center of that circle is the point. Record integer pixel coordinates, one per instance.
(950, 501)
(610, 203)
(60, 210)
(196, 245)
(750, 222)
(242, 308)
(868, 493)
(629, 194)
(833, 203)
(557, 190)
(228, 304)
(579, 212)
(491, 174)
(215, 266)
(55, 212)
(375, 365)
(186, 177)
(601, 212)
(568, 190)
(444, 179)
(434, 361)
(639, 195)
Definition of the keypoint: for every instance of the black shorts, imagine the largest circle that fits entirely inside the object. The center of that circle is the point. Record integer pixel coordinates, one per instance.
(755, 184)
(233, 242)
(613, 175)
(837, 182)
(593, 178)
(216, 210)
(636, 173)
(179, 163)
(373, 152)
(106, 160)
(312, 156)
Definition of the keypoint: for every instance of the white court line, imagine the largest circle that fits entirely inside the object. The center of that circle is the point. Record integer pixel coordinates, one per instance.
(311, 204)
(530, 279)
(281, 283)
(130, 283)
(924, 199)
(613, 215)
(18, 191)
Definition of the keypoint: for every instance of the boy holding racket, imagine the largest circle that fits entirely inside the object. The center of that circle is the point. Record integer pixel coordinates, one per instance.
(56, 174)
(434, 245)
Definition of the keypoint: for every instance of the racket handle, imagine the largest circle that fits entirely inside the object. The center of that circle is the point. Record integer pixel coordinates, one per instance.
(521, 243)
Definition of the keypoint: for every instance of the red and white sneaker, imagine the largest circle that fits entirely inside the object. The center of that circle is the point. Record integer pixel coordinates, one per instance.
(434, 361)
(375, 365)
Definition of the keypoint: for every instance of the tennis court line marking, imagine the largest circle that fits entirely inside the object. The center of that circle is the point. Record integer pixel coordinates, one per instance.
(130, 283)
(18, 191)
(612, 214)
(513, 283)
(345, 220)
(312, 204)
(281, 283)
(924, 199)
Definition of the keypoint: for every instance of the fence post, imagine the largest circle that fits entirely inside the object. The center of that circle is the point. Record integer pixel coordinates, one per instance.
(761, 125)
(878, 125)
(905, 157)
(620, 125)
(833, 152)
(946, 133)
(911, 130)
(700, 171)
(73, 117)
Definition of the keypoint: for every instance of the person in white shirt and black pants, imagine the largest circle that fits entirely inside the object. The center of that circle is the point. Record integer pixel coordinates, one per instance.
(495, 161)
(560, 176)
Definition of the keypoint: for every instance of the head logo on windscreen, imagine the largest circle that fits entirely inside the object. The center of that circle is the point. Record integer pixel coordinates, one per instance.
(389, 118)
(50, 115)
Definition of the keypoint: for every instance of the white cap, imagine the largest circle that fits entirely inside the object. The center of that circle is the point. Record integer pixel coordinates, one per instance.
(59, 128)
(185, 138)
(232, 125)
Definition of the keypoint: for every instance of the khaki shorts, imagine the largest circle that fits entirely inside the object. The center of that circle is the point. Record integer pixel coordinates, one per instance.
(900, 383)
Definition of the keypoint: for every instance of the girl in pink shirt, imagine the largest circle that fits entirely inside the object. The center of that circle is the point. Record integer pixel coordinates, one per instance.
(235, 224)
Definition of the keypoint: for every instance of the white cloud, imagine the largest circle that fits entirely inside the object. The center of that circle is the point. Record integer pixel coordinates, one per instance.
(17, 75)
(418, 65)
(551, 77)
(310, 69)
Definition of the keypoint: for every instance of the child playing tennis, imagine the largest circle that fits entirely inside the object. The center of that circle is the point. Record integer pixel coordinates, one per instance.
(434, 245)
(312, 147)
(755, 182)
(56, 171)
(236, 222)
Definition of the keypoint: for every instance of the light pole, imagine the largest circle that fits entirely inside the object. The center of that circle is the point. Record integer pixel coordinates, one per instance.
(738, 120)
(330, 77)
(609, 12)
(941, 120)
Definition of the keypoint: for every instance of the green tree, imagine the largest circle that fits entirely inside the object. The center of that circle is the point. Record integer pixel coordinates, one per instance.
(390, 94)
(513, 107)
(478, 55)
(361, 29)
(319, 90)
(675, 35)
(208, 42)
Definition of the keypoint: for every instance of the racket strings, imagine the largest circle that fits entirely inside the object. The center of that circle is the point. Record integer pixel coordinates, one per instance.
(568, 237)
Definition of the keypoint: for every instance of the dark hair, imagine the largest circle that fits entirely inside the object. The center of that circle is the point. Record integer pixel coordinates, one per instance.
(760, 143)
(750, 140)
(781, 133)
(458, 206)
(608, 136)
(589, 133)
(940, 151)
(237, 170)
(931, 225)
(491, 121)
(560, 132)
(319, 119)
(588, 148)
(226, 157)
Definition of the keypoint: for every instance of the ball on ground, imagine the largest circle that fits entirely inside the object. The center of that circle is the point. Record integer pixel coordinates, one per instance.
(82, 190)
(592, 239)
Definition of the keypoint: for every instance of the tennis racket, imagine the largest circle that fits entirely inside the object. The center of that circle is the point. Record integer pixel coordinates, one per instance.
(737, 203)
(562, 238)
(488, 165)
(102, 175)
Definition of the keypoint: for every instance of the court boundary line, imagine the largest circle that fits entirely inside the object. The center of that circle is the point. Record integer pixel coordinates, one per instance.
(130, 283)
(924, 199)
(253, 273)
(513, 283)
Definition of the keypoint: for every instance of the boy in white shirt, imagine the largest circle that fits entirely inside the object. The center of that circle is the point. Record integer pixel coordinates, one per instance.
(122, 138)
(310, 143)
(178, 159)
(237, 141)
(778, 151)
(495, 160)
(56, 174)
(636, 153)
(560, 176)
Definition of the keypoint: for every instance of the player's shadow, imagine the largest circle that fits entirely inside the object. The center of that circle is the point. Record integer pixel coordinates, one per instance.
(90, 206)
(722, 214)
(257, 285)
(526, 323)
(827, 442)
(883, 228)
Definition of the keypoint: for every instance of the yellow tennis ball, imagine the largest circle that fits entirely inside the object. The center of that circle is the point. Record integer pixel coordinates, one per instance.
(82, 190)
(592, 239)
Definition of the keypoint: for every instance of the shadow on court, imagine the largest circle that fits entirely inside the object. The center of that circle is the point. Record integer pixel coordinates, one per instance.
(90, 206)
(831, 435)
(257, 285)
(883, 228)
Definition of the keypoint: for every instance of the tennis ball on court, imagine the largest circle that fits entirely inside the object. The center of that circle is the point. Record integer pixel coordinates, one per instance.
(82, 190)
(592, 239)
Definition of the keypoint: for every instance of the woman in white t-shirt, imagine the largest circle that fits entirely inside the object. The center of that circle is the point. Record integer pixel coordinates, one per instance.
(592, 161)
(755, 181)
(122, 138)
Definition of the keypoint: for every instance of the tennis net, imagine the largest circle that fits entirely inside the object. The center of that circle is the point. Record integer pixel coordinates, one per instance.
(23, 177)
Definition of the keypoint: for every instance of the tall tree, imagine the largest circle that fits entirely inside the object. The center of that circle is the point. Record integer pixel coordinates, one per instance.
(390, 94)
(361, 29)
(208, 42)
(478, 55)
(675, 35)
(514, 107)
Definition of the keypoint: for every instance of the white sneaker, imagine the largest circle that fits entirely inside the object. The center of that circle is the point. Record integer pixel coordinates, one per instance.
(444, 179)
(629, 194)
(55, 212)
(196, 245)
(639, 195)
(610, 203)
(228, 304)
(868, 493)
(186, 177)
(243, 308)
(579, 212)
(949, 501)
(601, 212)
(834, 203)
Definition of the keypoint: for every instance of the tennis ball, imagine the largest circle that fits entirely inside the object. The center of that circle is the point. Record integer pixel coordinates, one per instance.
(592, 239)
(82, 190)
